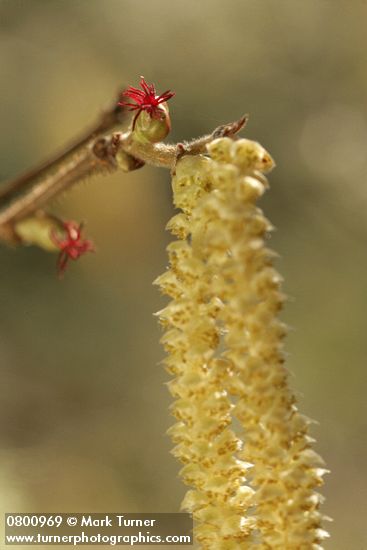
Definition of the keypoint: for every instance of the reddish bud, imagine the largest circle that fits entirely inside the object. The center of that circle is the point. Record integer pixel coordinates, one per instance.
(146, 100)
(71, 244)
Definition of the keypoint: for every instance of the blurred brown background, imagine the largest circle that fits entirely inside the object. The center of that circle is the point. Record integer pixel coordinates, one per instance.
(84, 408)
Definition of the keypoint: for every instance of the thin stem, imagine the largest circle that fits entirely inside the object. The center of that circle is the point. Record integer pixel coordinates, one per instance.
(165, 155)
(108, 120)
(50, 186)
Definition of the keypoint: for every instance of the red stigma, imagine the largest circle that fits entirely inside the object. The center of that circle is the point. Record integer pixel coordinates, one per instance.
(145, 99)
(71, 246)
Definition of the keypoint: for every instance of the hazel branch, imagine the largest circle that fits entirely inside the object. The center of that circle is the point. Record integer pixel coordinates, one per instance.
(92, 157)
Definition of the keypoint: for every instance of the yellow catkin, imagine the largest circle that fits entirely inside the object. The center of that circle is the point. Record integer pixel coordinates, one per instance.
(253, 480)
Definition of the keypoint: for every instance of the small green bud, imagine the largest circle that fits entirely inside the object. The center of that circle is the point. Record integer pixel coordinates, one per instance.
(126, 162)
(39, 230)
(152, 128)
(151, 122)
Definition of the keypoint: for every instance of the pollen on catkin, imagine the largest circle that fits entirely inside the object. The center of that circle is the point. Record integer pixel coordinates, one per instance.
(245, 447)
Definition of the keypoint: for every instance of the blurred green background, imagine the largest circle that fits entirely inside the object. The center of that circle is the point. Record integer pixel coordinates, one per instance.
(84, 407)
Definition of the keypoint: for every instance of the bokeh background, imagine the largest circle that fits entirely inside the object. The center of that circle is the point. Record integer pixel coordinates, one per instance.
(84, 407)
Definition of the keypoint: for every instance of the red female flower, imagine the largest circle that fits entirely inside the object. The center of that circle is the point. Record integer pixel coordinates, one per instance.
(72, 245)
(145, 99)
